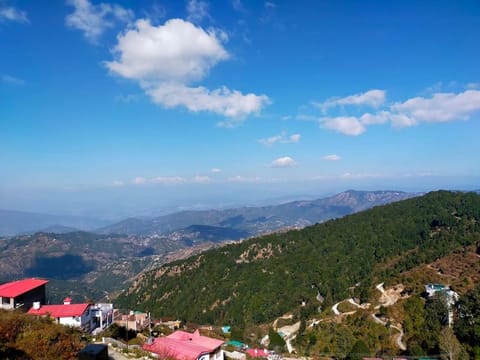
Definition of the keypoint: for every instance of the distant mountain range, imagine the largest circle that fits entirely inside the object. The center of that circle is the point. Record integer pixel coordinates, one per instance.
(259, 220)
(249, 221)
(21, 222)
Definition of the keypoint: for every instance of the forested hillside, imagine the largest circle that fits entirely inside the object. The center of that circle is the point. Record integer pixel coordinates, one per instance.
(257, 280)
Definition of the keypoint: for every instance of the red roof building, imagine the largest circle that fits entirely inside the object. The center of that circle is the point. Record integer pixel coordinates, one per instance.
(60, 311)
(22, 293)
(75, 315)
(186, 346)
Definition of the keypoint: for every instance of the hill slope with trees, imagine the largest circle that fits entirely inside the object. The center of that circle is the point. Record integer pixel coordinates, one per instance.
(257, 280)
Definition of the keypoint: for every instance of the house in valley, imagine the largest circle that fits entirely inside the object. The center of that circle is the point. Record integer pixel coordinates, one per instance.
(21, 294)
(182, 345)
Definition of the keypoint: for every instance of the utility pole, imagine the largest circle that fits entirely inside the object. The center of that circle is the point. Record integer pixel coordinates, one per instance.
(149, 325)
(128, 314)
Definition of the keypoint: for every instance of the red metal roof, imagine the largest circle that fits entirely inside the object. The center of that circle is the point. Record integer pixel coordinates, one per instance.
(17, 288)
(60, 311)
(183, 345)
(257, 353)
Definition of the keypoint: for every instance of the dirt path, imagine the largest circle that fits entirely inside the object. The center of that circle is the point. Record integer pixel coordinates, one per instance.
(399, 338)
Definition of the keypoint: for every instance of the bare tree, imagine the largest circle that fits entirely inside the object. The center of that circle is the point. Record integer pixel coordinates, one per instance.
(449, 345)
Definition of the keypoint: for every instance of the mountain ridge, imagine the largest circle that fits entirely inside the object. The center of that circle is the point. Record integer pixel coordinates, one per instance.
(262, 219)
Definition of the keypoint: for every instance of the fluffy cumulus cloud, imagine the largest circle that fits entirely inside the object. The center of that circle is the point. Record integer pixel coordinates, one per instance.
(166, 59)
(441, 107)
(282, 138)
(438, 108)
(11, 13)
(93, 19)
(176, 51)
(283, 162)
(229, 103)
(373, 98)
(332, 157)
(348, 125)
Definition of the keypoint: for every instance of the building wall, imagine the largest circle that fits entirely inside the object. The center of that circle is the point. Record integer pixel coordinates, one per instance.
(84, 321)
(216, 355)
(27, 299)
(6, 303)
(73, 321)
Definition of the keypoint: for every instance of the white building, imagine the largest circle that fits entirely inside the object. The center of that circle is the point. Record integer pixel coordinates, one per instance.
(451, 297)
(75, 315)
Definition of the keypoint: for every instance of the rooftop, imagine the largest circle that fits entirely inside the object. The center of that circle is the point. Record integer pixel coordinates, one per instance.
(19, 287)
(60, 311)
(183, 345)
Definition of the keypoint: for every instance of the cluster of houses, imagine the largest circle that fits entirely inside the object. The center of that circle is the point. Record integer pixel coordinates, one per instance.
(30, 295)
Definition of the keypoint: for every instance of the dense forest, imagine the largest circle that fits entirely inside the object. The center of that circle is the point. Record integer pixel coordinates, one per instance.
(260, 279)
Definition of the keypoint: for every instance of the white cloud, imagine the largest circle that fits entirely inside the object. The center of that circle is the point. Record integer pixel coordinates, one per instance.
(270, 140)
(373, 98)
(283, 162)
(348, 125)
(441, 107)
(294, 138)
(202, 179)
(166, 58)
(270, 4)
(332, 157)
(11, 80)
(281, 138)
(139, 180)
(93, 20)
(176, 51)
(11, 13)
(197, 10)
(216, 170)
(223, 101)
(380, 117)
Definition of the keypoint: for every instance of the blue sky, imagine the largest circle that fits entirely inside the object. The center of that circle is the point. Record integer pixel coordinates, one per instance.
(116, 108)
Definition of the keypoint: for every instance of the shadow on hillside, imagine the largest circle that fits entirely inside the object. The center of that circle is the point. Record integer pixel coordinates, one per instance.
(63, 267)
